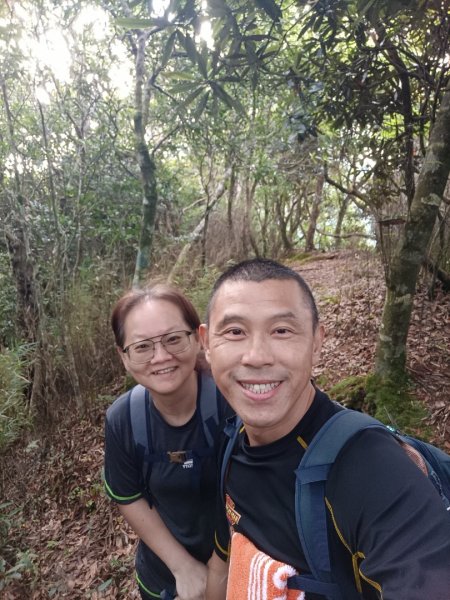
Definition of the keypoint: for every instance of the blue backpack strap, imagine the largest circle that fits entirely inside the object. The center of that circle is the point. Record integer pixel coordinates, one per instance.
(139, 397)
(209, 409)
(231, 430)
(310, 508)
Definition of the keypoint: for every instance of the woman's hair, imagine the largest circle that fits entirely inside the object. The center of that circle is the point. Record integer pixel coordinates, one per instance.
(156, 291)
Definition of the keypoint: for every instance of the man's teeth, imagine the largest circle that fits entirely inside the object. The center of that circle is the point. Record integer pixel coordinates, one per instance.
(163, 371)
(260, 388)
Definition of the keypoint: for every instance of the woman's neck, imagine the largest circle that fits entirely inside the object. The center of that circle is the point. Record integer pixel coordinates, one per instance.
(177, 408)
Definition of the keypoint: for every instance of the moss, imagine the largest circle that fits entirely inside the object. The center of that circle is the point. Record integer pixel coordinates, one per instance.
(333, 300)
(392, 402)
(321, 381)
(397, 405)
(351, 392)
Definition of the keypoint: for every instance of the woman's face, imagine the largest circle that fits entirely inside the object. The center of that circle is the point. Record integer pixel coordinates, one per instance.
(165, 374)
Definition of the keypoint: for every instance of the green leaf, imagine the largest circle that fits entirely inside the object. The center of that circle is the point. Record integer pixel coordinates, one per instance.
(103, 586)
(168, 49)
(182, 87)
(191, 97)
(189, 45)
(226, 98)
(181, 75)
(271, 8)
(201, 106)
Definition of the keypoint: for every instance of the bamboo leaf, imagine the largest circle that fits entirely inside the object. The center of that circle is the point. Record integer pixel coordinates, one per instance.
(180, 75)
(168, 49)
(271, 8)
(201, 106)
(183, 86)
(191, 97)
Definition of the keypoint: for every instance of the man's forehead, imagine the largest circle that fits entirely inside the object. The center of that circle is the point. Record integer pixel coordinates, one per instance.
(283, 296)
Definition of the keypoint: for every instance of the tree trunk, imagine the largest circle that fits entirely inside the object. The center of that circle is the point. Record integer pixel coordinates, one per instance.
(315, 211)
(340, 220)
(412, 249)
(198, 231)
(147, 169)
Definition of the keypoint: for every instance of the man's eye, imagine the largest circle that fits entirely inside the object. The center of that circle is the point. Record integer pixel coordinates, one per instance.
(234, 332)
(282, 331)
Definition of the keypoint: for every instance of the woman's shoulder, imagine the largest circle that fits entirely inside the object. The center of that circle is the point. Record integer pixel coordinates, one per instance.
(119, 409)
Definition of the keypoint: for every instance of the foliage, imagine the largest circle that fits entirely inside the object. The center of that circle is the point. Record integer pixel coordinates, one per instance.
(7, 304)
(14, 414)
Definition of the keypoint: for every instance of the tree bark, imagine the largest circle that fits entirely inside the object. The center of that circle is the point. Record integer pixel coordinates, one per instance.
(412, 249)
(198, 231)
(340, 220)
(147, 168)
(315, 211)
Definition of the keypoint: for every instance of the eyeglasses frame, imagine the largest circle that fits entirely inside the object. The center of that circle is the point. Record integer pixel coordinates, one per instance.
(156, 341)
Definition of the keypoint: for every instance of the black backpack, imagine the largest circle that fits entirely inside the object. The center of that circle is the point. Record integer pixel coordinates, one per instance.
(311, 478)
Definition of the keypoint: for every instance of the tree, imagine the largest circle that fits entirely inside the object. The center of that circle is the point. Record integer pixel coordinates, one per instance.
(413, 246)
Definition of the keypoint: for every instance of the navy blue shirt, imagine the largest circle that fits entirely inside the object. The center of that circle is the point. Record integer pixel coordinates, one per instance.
(184, 494)
(389, 533)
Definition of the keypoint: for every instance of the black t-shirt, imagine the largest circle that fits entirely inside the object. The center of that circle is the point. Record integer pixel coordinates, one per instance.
(184, 494)
(389, 533)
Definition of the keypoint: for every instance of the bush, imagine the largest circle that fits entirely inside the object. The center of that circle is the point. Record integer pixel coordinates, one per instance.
(14, 414)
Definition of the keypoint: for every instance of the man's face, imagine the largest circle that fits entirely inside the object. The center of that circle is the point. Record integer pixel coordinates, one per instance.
(261, 347)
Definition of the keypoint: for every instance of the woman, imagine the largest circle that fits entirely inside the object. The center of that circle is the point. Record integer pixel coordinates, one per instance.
(168, 498)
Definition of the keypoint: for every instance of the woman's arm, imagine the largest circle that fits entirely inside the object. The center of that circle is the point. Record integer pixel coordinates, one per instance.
(190, 574)
(216, 587)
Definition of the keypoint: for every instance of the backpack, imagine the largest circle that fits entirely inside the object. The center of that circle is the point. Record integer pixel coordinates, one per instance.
(210, 417)
(311, 478)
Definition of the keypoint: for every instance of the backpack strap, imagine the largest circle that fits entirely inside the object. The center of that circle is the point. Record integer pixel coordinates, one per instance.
(231, 430)
(209, 409)
(311, 478)
(139, 397)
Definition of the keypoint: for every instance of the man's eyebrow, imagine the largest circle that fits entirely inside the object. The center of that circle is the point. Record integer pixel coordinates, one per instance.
(236, 318)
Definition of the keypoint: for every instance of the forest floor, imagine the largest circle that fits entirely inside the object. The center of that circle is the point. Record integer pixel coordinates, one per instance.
(72, 542)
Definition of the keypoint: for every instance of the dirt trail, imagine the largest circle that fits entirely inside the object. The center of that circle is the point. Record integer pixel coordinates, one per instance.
(79, 546)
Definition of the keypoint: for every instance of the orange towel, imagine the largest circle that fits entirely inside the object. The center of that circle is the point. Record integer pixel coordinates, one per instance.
(254, 575)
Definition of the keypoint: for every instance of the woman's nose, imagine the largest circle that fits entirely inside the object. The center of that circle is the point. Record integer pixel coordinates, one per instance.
(159, 353)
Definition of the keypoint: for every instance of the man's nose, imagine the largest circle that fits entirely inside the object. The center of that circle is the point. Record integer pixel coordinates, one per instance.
(258, 351)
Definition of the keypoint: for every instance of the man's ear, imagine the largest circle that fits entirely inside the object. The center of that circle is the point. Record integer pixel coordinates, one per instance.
(319, 335)
(203, 333)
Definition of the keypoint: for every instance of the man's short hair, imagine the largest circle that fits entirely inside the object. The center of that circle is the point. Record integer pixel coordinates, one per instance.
(264, 269)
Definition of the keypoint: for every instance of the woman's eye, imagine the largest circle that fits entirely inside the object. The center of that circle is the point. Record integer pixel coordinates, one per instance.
(143, 347)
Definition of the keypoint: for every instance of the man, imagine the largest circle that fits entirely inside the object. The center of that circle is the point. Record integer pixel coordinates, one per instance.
(388, 531)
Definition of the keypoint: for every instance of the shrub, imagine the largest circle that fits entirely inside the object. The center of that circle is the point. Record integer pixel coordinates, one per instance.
(14, 414)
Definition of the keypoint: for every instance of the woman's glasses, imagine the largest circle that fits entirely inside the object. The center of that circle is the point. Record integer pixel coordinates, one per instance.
(173, 342)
